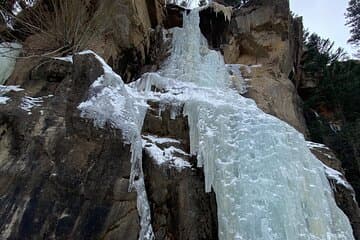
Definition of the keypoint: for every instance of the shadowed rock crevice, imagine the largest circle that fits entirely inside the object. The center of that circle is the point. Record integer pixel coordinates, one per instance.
(179, 205)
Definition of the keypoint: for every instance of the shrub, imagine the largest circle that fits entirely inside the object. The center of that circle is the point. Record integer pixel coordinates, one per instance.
(63, 26)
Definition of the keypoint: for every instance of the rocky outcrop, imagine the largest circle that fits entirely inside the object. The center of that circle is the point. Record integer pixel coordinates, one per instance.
(264, 34)
(61, 177)
(125, 42)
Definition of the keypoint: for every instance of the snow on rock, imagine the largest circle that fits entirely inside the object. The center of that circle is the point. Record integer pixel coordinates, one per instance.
(170, 155)
(8, 54)
(331, 173)
(65, 59)
(111, 101)
(6, 89)
(160, 140)
(337, 177)
(3, 100)
(28, 103)
(312, 145)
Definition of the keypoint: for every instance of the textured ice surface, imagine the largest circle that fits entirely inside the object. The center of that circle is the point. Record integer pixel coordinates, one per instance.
(111, 101)
(8, 54)
(268, 184)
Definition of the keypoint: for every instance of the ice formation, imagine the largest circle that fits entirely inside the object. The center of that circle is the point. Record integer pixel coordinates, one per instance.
(218, 8)
(6, 89)
(268, 184)
(111, 101)
(8, 54)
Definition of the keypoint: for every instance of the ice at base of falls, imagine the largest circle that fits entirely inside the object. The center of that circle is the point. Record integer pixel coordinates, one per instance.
(111, 101)
(268, 184)
(8, 54)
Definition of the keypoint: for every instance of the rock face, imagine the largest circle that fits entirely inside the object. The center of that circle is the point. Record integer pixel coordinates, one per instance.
(126, 41)
(263, 34)
(62, 178)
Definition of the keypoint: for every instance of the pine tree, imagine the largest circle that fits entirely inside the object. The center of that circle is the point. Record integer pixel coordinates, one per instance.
(353, 21)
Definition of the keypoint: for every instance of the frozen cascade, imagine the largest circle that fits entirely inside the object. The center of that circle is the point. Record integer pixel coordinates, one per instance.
(268, 184)
(8, 54)
(111, 101)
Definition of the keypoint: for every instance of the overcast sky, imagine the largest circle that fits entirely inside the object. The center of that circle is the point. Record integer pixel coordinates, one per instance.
(326, 18)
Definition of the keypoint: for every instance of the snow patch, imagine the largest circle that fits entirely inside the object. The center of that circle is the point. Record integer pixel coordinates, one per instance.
(65, 59)
(28, 103)
(168, 155)
(159, 140)
(6, 89)
(337, 177)
(313, 145)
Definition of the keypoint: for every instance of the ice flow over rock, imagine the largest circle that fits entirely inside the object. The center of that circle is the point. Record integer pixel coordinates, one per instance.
(111, 101)
(268, 184)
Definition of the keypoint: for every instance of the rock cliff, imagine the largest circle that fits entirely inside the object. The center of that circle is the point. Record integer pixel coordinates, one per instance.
(63, 178)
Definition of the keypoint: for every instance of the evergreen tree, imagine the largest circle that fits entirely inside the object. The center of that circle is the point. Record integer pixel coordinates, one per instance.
(353, 21)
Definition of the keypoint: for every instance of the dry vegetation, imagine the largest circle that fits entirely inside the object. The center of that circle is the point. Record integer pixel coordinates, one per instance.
(59, 27)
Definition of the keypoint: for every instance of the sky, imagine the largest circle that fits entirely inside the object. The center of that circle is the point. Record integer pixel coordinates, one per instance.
(326, 18)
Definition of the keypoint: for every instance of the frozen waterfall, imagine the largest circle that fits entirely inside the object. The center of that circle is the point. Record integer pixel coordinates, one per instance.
(268, 185)
(8, 54)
